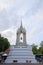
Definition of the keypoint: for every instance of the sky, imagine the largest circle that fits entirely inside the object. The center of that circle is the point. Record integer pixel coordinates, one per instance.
(31, 14)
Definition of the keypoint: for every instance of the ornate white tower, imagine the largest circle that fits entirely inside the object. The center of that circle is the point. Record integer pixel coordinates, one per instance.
(21, 52)
(21, 36)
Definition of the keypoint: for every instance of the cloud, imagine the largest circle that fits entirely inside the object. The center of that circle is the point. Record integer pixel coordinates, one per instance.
(10, 34)
(31, 13)
(4, 4)
(39, 15)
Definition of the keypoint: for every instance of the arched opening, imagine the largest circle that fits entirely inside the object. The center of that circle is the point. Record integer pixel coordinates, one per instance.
(21, 37)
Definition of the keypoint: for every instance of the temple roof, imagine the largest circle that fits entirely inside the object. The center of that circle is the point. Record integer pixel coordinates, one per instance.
(21, 29)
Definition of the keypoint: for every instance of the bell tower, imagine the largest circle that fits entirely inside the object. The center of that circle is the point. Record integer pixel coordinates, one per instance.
(21, 36)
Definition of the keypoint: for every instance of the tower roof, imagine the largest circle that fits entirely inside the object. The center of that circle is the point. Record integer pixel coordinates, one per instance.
(21, 26)
(21, 29)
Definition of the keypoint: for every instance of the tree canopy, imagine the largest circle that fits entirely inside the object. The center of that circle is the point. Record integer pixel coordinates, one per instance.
(37, 50)
(34, 49)
(4, 44)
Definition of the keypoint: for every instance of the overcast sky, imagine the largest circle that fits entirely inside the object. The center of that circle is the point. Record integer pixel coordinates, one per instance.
(31, 14)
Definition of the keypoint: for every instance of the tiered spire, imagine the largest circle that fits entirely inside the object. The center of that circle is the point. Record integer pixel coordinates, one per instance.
(21, 24)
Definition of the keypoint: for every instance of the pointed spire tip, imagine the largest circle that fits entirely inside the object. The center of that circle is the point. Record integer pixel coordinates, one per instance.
(21, 22)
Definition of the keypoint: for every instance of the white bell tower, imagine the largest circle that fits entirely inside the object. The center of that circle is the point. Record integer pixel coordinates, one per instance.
(21, 36)
(21, 52)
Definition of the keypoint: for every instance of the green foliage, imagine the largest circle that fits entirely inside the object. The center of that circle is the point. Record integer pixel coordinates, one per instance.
(37, 50)
(4, 44)
(41, 44)
(34, 49)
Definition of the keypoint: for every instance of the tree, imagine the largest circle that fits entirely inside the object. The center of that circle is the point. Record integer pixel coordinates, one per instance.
(38, 51)
(41, 47)
(4, 44)
(34, 49)
(41, 44)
